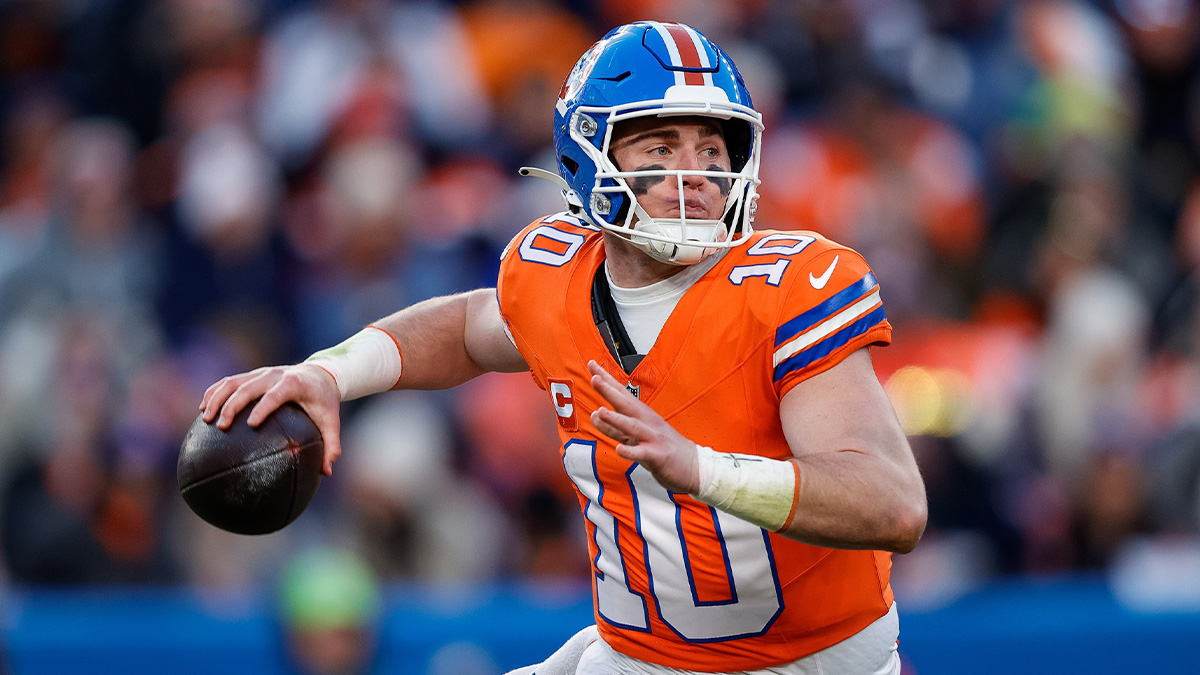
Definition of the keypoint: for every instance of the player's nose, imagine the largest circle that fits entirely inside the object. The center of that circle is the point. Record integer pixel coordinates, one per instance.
(692, 161)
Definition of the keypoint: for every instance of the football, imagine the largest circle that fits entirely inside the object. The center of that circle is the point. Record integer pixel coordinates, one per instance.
(251, 480)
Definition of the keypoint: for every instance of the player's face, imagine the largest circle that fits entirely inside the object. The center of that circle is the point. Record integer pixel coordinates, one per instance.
(674, 143)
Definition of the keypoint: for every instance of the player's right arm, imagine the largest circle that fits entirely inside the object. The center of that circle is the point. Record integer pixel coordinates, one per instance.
(435, 344)
(447, 341)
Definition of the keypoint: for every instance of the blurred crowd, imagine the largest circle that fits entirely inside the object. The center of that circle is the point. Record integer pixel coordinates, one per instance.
(193, 188)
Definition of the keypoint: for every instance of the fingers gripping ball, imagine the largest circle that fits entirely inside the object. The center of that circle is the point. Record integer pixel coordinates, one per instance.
(251, 480)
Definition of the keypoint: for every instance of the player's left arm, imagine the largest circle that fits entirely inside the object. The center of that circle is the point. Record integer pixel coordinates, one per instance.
(858, 485)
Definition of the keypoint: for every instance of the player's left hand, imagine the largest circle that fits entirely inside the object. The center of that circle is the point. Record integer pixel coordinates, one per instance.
(643, 436)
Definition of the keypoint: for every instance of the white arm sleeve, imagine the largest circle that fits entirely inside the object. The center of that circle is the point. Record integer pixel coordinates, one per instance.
(367, 362)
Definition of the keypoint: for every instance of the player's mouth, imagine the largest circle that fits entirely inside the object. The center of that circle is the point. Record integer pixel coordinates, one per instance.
(692, 208)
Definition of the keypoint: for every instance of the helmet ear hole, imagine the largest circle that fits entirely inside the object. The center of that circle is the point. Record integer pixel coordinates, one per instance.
(569, 164)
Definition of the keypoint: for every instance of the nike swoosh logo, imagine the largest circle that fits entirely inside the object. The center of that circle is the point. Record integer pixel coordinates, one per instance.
(819, 282)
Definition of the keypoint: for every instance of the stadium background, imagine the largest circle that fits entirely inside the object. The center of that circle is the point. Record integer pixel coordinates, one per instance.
(190, 188)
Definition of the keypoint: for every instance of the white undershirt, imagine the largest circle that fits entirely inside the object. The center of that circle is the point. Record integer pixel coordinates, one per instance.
(644, 310)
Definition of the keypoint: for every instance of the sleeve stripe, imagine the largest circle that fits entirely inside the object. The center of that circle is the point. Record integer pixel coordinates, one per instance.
(826, 328)
(818, 351)
(817, 314)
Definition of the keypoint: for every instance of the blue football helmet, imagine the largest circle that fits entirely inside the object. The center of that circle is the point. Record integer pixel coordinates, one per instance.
(645, 69)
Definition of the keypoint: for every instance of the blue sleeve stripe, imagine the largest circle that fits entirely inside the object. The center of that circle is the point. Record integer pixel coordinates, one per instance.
(832, 305)
(820, 350)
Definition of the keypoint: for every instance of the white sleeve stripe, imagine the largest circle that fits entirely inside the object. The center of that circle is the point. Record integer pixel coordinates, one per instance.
(826, 328)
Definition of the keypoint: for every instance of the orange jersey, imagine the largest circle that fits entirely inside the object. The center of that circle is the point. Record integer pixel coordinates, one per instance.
(677, 582)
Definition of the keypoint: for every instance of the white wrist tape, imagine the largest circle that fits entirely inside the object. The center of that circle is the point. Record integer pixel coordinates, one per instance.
(761, 490)
(367, 362)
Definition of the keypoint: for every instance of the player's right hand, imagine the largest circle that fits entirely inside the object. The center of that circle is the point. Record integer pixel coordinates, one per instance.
(305, 384)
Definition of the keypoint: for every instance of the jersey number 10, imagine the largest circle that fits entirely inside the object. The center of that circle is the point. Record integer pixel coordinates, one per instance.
(755, 596)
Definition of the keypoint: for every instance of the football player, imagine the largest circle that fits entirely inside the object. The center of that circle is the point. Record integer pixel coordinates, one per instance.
(741, 472)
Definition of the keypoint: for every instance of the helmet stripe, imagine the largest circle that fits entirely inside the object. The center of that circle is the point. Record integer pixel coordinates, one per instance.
(701, 52)
(672, 49)
(688, 51)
